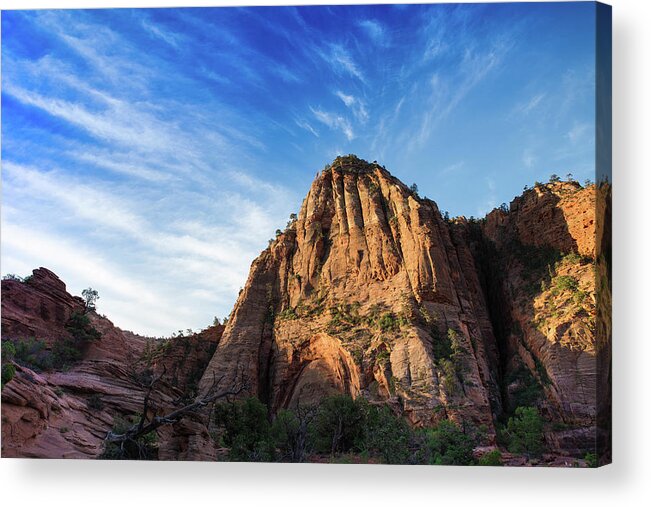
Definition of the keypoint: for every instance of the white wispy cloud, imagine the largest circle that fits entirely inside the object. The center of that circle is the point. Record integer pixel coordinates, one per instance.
(528, 159)
(452, 168)
(158, 32)
(355, 104)
(527, 107)
(375, 30)
(335, 122)
(306, 126)
(340, 59)
(578, 132)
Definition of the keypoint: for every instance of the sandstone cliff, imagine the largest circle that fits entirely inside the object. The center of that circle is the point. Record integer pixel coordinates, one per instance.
(67, 412)
(372, 293)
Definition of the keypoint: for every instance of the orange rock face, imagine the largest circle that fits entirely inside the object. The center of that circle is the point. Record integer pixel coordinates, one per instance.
(361, 295)
(370, 292)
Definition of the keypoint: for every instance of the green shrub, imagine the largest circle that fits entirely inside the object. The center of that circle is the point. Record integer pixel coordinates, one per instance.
(32, 353)
(340, 425)
(527, 392)
(66, 352)
(387, 436)
(143, 448)
(288, 314)
(491, 459)
(446, 444)
(565, 282)
(95, 402)
(591, 460)
(8, 355)
(246, 429)
(8, 372)
(80, 328)
(525, 432)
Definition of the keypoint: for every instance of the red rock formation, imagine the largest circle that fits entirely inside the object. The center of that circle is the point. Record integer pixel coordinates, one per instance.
(360, 294)
(67, 414)
(542, 258)
(357, 296)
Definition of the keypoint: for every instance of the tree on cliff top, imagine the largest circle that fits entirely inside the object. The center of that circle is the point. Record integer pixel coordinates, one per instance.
(90, 296)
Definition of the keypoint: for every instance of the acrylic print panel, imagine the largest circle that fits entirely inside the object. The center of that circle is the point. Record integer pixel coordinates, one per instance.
(295, 213)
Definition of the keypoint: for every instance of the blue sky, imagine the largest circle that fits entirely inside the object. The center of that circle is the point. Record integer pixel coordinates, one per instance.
(152, 153)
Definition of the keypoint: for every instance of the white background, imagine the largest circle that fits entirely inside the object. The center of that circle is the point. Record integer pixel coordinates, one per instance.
(626, 482)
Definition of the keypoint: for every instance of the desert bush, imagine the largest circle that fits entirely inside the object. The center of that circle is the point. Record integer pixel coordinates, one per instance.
(565, 282)
(445, 444)
(525, 432)
(8, 372)
(95, 402)
(144, 448)
(245, 429)
(491, 459)
(340, 425)
(33, 354)
(387, 435)
(591, 460)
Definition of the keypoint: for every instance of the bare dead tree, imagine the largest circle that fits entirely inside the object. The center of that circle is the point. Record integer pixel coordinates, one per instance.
(304, 415)
(132, 437)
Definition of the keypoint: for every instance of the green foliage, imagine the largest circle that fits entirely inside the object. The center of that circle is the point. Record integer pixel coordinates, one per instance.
(68, 351)
(8, 351)
(288, 314)
(339, 425)
(287, 437)
(81, 329)
(90, 296)
(527, 391)
(343, 317)
(33, 353)
(554, 178)
(591, 460)
(448, 358)
(8, 372)
(349, 430)
(11, 276)
(387, 436)
(449, 375)
(246, 429)
(352, 163)
(95, 402)
(446, 444)
(382, 357)
(143, 448)
(388, 322)
(491, 459)
(525, 432)
(414, 189)
(565, 282)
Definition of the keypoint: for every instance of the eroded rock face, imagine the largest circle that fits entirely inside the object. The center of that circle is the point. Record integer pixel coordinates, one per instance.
(363, 294)
(371, 293)
(543, 254)
(67, 414)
